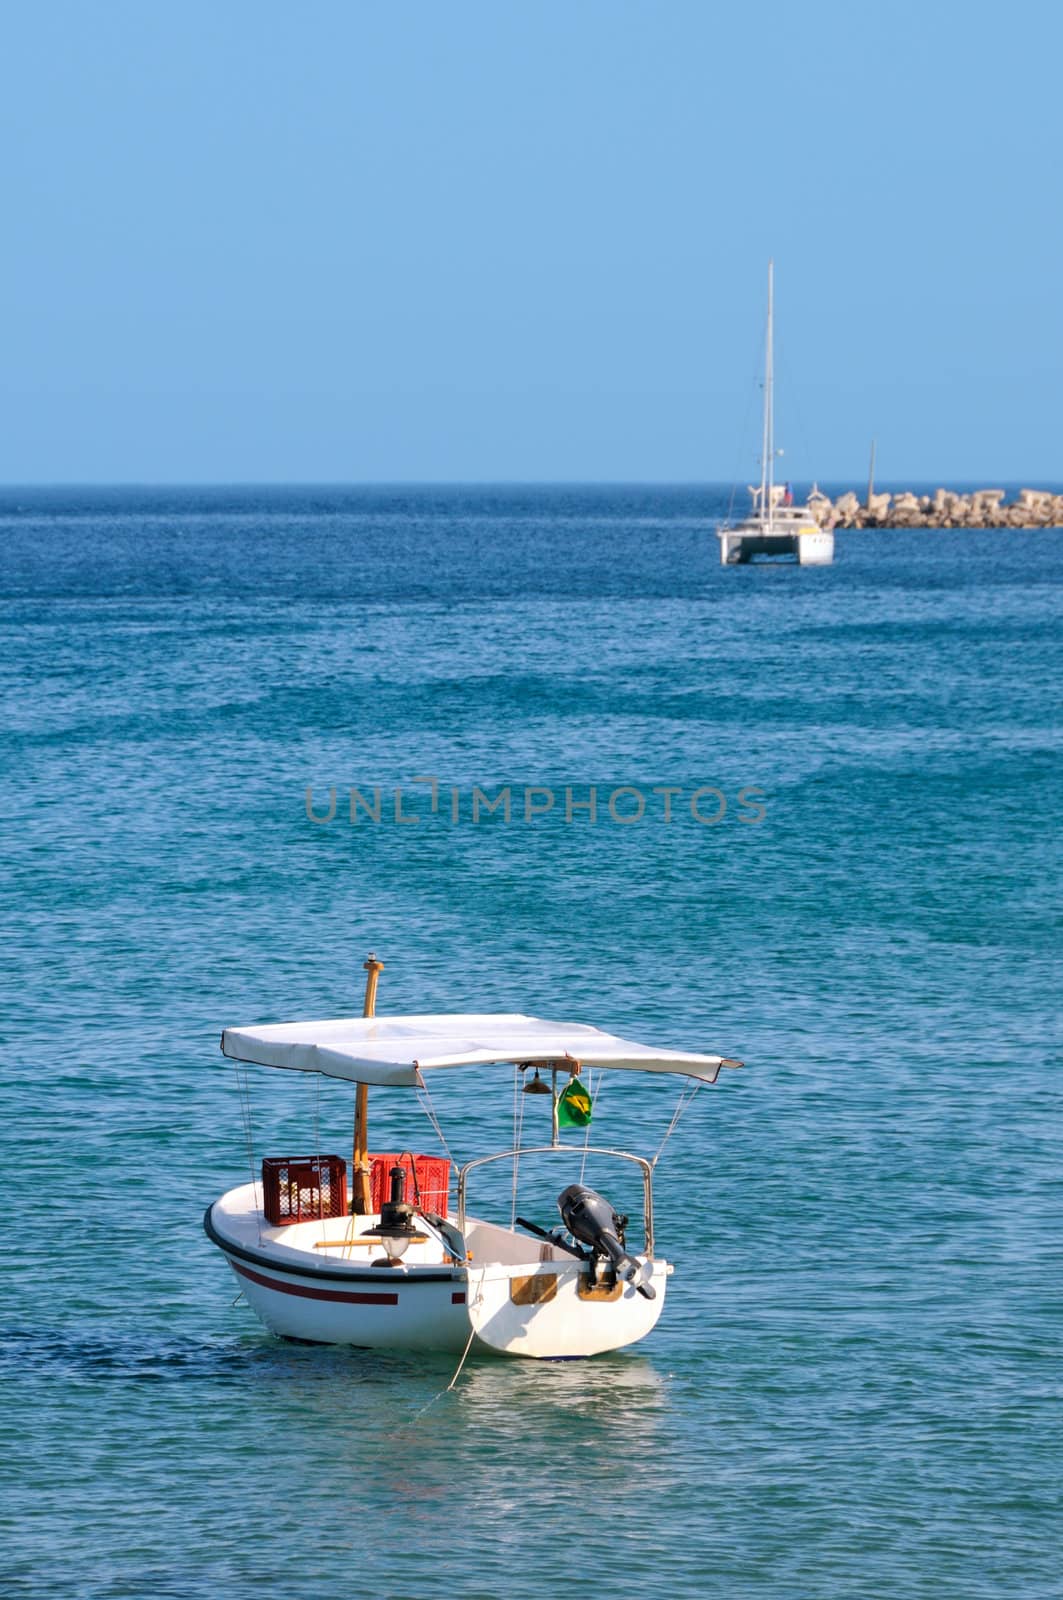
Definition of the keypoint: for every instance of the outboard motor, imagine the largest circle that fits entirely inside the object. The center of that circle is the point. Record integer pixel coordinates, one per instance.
(590, 1218)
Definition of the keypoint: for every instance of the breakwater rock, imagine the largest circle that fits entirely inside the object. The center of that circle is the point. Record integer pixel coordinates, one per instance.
(983, 508)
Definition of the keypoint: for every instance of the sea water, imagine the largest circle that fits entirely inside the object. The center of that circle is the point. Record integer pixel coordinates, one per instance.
(854, 1387)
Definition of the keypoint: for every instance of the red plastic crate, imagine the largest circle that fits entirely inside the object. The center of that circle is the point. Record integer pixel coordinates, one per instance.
(303, 1188)
(433, 1181)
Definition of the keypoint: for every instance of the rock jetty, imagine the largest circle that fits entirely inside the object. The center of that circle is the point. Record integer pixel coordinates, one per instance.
(983, 508)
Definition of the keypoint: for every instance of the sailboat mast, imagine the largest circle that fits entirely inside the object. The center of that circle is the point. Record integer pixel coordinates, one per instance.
(767, 475)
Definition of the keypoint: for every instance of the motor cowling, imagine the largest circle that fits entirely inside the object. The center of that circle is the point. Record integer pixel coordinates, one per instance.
(590, 1218)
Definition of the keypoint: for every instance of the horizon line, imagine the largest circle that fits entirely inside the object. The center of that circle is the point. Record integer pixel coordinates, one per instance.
(882, 484)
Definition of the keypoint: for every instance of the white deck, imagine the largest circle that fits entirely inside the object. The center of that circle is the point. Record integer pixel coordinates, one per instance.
(346, 1241)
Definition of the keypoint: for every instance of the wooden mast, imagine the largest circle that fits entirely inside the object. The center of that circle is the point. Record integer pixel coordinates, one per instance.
(360, 1200)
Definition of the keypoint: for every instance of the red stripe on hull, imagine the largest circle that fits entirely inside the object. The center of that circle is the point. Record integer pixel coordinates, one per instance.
(346, 1296)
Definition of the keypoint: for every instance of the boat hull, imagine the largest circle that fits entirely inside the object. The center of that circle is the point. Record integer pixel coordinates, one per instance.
(810, 546)
(543, 1310)
(552, 1310)
(815, 547)
(379, 1314)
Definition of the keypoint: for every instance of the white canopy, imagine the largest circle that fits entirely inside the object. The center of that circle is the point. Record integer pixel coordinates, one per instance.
(396, 1050)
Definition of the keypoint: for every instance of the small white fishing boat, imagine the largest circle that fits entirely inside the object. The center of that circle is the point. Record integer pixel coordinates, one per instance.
(775, 526)
(392, 1269)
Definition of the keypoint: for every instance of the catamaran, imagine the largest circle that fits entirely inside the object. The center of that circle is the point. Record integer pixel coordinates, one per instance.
(391, 1269)
(775, 526)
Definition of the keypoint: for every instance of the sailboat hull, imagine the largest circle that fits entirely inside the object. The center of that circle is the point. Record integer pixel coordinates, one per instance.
(812, 546)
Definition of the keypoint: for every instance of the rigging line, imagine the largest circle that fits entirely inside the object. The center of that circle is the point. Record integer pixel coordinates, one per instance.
(518, 1134)
(792, 395)
(741, 448)
(317, 1153)
(427, 1106)
(244, 1095)
(243, 1091)
(686, 1097)
(516, 1147)
(429, 1110)
(746, 427)
(596, 1095)
(350, 1224)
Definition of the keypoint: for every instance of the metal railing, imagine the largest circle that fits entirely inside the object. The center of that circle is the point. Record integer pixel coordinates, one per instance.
(568, 1150)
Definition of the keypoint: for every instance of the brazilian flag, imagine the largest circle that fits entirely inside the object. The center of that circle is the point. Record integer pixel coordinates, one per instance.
(573, 1106)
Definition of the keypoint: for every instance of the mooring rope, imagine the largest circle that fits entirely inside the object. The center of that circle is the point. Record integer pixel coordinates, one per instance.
(464, 1354)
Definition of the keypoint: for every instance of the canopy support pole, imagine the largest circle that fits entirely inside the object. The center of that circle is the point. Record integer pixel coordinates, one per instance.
(360, 1200)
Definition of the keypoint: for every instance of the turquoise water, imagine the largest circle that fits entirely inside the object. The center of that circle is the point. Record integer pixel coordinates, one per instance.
(854, 1389)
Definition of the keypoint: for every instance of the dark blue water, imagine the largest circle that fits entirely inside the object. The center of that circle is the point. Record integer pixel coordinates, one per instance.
(855, 1386)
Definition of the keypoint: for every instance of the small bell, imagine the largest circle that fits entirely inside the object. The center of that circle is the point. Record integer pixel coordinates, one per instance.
(536, 1085)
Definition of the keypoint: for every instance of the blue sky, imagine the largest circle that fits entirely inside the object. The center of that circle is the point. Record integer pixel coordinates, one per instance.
(493, 241)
